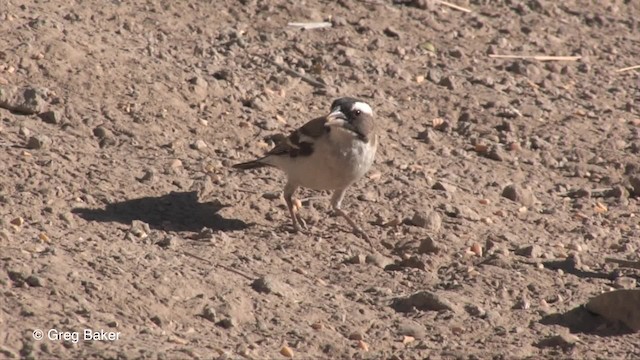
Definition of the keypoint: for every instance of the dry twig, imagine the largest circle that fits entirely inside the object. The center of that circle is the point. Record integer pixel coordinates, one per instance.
(537, 57)
(311, 25)
(235, 271)
(454, 6)
(628, 68)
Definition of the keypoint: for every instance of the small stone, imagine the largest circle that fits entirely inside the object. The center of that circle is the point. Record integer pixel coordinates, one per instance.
(50, 117)
(392, 32)
(423, 301)
(523, 304)
(34, 281)
(166, 242)
(24, 131)
(227, 323)
(209, 314)
(475, 310)
(442, 186)
(413, 329)
(434, 75)
(465, 212)
(138, 229)
(428, 246)
(102, 132)
(363, 346)
(286, 351)
(27, 100)
(430, 220)
(449, 82)
(530, 251)
(456, 53)
(39, 142)
(19, 221)
(356, 259)
(199, 145)
(378, 260)
(624, 282)
(271, 285)
(497, 153)
(519, 194)
(357, 335)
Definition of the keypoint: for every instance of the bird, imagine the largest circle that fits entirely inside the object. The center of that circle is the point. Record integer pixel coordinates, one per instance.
(330, 152)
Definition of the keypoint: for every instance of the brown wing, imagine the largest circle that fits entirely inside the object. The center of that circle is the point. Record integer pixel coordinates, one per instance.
(300, 142)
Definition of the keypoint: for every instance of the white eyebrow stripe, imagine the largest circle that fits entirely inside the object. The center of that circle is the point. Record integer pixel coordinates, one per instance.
(364, 107)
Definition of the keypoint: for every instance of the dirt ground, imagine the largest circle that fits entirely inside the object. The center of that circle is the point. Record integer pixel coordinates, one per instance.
(500, 187)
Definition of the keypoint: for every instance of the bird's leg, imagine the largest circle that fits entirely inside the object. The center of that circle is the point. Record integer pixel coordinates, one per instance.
(336, 205)
(297, 221)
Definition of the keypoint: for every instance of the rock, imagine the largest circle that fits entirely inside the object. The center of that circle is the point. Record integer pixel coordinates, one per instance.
(530, 251)
(210, 314)
(428, 246)
(429, 220)
(166, 242)
(468, 213)
(423, 301)
(444, 187)
(102, 132)
(624, 282)
(34, 281)
(475, 310)
(519, 194)
(412, 328)
(199, 145)
(227, 323)
(618, 305)
(28, 100)
(378, 260)
(392, 32)
(497, 153)
(356, 335)
(449, 82)
(434, 75)
(271, 285)
(17, 277)
(39, 142)
(356, 259)
(50, 117)
(138, 230)
(456, 53)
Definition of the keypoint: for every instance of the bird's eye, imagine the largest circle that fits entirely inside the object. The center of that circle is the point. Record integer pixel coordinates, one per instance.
(357, 112)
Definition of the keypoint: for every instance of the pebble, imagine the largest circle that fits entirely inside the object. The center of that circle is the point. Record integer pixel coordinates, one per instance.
(378, 260)
(19, 221)
(356, 259)
(392, 32)
(530, 251)
(429, 220)
(39, 142)
(434, 75)
(51, 117)
(475, 310)
(465, 212)
(519, 194)
(272, 285)
(102, 132)
(449, 82)
(439, 185)
(423, 301)
(413, 329)
(286, 351)
(428, 246)
(199, 145)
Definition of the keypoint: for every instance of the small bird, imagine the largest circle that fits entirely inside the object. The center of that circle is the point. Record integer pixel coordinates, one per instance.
(327, 153)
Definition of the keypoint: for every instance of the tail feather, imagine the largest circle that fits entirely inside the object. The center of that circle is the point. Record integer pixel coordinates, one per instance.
(255, 164)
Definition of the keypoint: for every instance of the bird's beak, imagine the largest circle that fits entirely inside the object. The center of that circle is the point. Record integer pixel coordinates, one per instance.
(336, 118)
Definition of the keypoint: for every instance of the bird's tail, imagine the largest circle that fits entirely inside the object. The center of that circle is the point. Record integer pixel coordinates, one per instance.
(250, 165)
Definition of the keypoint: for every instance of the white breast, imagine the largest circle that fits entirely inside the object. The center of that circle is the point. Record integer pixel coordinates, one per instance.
(337, 161)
